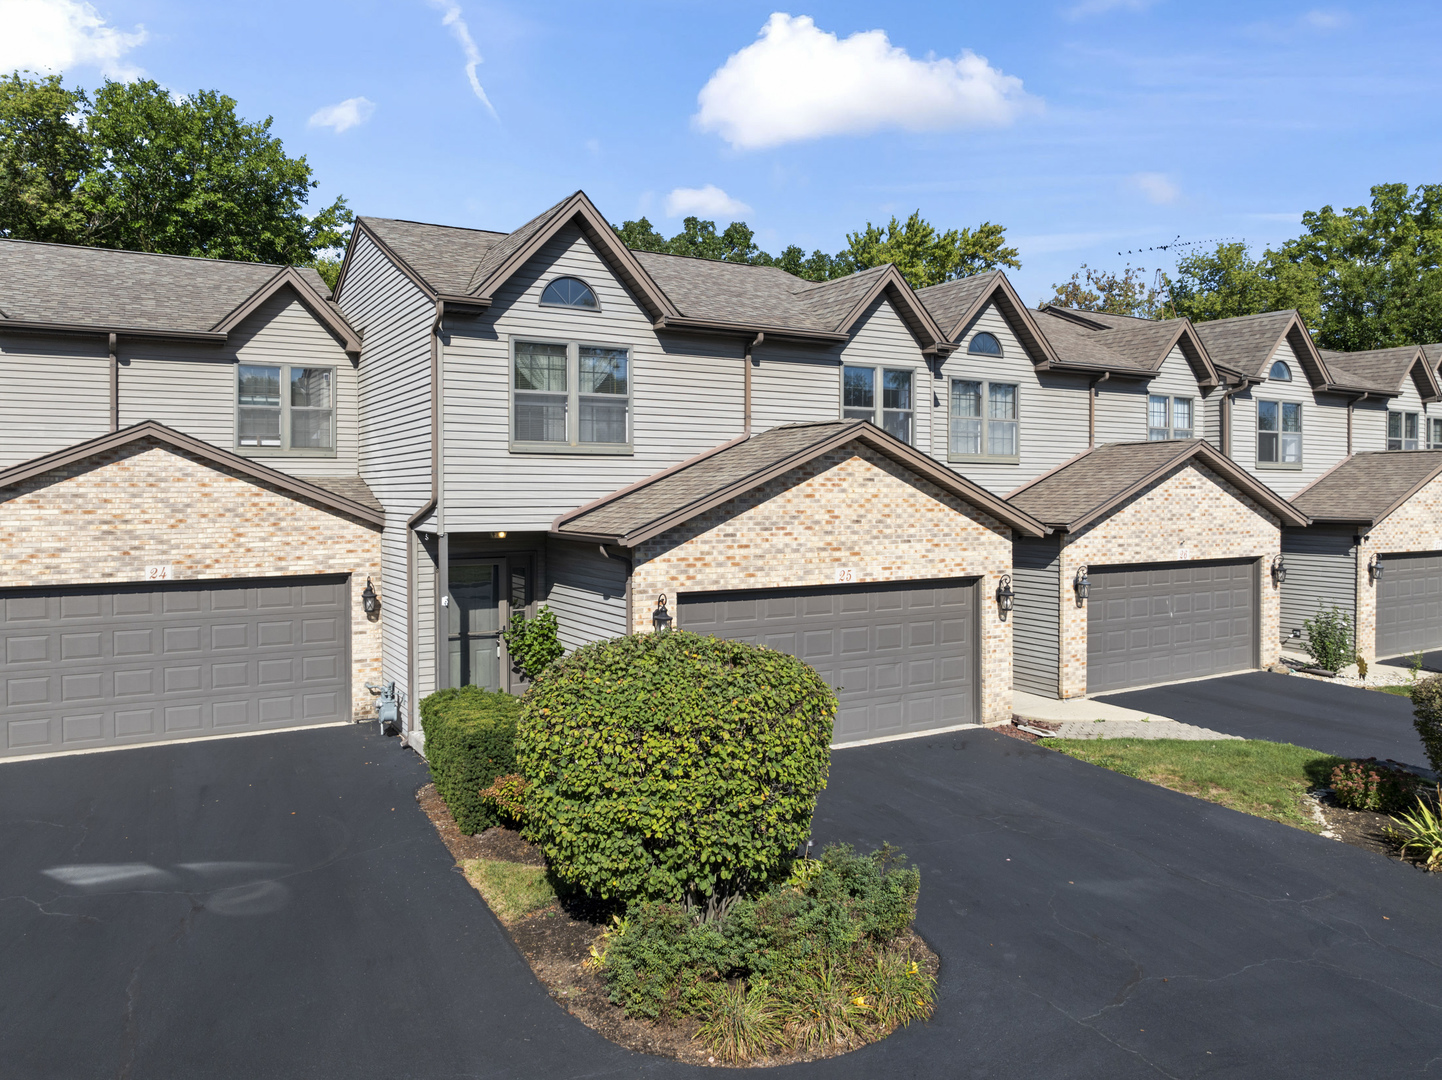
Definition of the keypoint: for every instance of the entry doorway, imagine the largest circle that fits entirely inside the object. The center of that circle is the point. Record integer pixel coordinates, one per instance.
(483, 595)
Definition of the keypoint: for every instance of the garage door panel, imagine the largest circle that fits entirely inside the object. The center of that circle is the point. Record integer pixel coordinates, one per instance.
(899, 655)
(119, 647)
(1409, 603)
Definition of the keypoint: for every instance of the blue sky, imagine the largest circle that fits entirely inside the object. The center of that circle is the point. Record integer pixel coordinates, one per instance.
(1086, 127)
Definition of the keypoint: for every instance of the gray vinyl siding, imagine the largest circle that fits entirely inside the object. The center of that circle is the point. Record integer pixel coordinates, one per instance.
(883, 340)
(793, 384)
(1324, 428)
(425, 628)
(393, 317)
(1122, 405)
(54, 392)
(1409, 400)
(586, 591)
(1369, 426)
(1321, 574)
(192, 388)
(1051, 408)
(1036, 616)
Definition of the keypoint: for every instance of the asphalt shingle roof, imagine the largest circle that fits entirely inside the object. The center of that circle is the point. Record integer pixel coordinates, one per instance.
(1367, 487)
(1245, 344)
(950, 301)
(102, 287)
(1075, 344)
(445, 256)
(1384, 370)
(1089, 483)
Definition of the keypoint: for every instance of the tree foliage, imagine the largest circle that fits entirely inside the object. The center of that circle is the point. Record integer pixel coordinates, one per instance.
(923, 254)
(1126, 293)
(136, 167)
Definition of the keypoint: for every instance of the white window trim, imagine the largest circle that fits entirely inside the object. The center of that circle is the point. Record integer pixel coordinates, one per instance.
(284, 449)
(1171, 429)
(879, 392)
(1001, 459)
(573, 445)
(1280, 466)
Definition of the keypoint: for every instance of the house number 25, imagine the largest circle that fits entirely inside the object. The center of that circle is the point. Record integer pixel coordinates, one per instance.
(844, 575)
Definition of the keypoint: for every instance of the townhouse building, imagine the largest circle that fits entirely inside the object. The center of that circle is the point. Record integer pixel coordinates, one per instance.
(932, 496)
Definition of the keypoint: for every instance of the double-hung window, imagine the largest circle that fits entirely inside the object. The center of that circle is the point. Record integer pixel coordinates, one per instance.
(881, 395)
(1279, 434)
(982, 420)
(1434, 434)
(1168, 417)
(566, 395)
(1402, 430)
(283, 408)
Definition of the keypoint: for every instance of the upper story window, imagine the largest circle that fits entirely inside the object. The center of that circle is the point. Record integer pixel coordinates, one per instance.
(284, 408)
(982, 420)
(1402, 430)
(1280, 372)
(881, 395)
(1168, 417)
(1279, 434)
(570, 292)
(565, 395)
(986, 344)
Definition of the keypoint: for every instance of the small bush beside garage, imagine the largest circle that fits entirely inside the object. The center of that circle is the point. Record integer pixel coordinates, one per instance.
(470, 740)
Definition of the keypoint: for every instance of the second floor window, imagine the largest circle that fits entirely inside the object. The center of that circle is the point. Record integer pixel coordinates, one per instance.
(1279, 433)
(982, 420)
(280, 407)
(1169, 417)
(1402, 430)
(570, 395)
(881, 395)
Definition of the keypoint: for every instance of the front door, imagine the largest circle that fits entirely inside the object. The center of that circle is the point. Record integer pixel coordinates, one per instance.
(473, 632)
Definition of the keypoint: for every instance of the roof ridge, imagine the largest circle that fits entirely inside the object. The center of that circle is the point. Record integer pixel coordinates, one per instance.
(958, 281)
(434, 225)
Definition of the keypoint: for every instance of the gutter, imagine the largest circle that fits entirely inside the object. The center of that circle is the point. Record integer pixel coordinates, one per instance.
(674, 322)
(197, 337)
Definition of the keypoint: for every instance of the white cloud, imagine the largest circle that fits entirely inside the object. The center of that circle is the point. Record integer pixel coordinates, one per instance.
(56, 35)
(710, 201)
(796, 82)
(350, 113)
(451, 17)
(1325, 20)
(1155, 186)
(1103, 7)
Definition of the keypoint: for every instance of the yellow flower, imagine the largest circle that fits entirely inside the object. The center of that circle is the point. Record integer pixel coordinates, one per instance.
(860, 1001)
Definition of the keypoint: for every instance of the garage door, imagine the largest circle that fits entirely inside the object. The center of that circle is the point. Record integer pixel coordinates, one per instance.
(1151, 624)
(901, 656)
(1409, 604)
(118, 665)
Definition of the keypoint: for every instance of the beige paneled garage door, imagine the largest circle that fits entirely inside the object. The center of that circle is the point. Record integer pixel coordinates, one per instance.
(118, 665)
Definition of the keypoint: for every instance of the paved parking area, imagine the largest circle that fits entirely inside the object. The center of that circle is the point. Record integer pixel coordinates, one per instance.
(278, 907)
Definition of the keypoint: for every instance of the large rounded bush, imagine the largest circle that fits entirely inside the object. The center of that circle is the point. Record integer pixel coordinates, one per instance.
(470, 740)
(671, 764)
(1427, 717)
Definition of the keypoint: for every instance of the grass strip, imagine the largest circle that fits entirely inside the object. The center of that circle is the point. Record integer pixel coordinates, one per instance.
(1400, 691)
(1267, 779)
(512, 890)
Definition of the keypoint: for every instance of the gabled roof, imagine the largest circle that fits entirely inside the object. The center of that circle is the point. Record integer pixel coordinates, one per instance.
(68, 288)
(1094, 483)
(345, 495)
(1246, 344)
(1366, 488)
(1385, 370)
(1125, 345)
(646, 509)
(956, 304)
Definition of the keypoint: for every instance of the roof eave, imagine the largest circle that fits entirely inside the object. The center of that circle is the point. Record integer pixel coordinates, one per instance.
(28, 326)
(681, 322)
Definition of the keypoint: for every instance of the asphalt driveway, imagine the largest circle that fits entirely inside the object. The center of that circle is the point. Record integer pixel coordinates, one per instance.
(1342, 720)
(278, 907)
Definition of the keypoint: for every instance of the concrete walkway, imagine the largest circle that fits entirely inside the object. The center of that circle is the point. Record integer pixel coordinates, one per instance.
(1085, 718)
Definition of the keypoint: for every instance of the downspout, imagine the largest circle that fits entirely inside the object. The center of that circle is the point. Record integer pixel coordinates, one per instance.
(114, 383)
(438, 491)
(1092, 408)
(746, 390)
(413, 627)
(1350, 403)
(1224, 418)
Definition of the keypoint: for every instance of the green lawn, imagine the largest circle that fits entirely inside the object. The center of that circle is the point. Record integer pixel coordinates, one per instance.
(1254, 776)
(1400, 691)
(511, 889)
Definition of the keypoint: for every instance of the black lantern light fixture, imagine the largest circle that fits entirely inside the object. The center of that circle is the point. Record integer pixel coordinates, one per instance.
(1083, 585)
(1374, 570)
(370, 602)
(1279, 569)
(1004, 596)
(661, 618)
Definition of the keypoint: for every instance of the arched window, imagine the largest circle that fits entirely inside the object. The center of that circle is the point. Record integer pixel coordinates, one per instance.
(986, 344)
(1281, 372)
(569, 292)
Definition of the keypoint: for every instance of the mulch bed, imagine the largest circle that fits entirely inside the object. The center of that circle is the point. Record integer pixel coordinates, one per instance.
(556, 941)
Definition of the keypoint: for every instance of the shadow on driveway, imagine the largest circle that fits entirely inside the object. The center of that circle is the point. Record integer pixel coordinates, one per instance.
(1342, 720)
(277, 907)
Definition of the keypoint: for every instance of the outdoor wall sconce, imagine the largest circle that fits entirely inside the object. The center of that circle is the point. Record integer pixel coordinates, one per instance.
(370, 602)
(1083, 586)
(1279, 569)
(661, 618)
(1004, 596)
(1374, 570)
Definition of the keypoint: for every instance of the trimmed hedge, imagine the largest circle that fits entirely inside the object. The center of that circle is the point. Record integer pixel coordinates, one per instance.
(1427, 717)
(671, 765)
(470, 740)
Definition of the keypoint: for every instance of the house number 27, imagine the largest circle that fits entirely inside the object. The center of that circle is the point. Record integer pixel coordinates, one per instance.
(844, 575)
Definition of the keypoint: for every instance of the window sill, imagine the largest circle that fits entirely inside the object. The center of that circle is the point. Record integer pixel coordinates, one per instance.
(278, 452)
(589, 449)
(1280, 466)
(988, 459)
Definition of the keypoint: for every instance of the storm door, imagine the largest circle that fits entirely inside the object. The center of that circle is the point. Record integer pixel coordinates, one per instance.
(473, 632)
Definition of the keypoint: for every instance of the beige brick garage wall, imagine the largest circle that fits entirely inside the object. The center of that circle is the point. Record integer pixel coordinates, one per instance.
(1194, 514)
(108, 517)
(1415, 526)
(850, 508)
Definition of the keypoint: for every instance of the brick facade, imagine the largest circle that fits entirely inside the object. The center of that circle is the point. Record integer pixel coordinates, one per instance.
(106, 518)
(851, 508)
(1190, 514)
(1414, 526)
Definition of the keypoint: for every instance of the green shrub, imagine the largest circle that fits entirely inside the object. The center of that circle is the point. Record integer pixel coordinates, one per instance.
(1328, 637)
(1366, 785)
(672, 765)
(741, 1021)
(1427, 717)
(533, 643)
(1421, 831)
(470, 740)
(508, 795)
